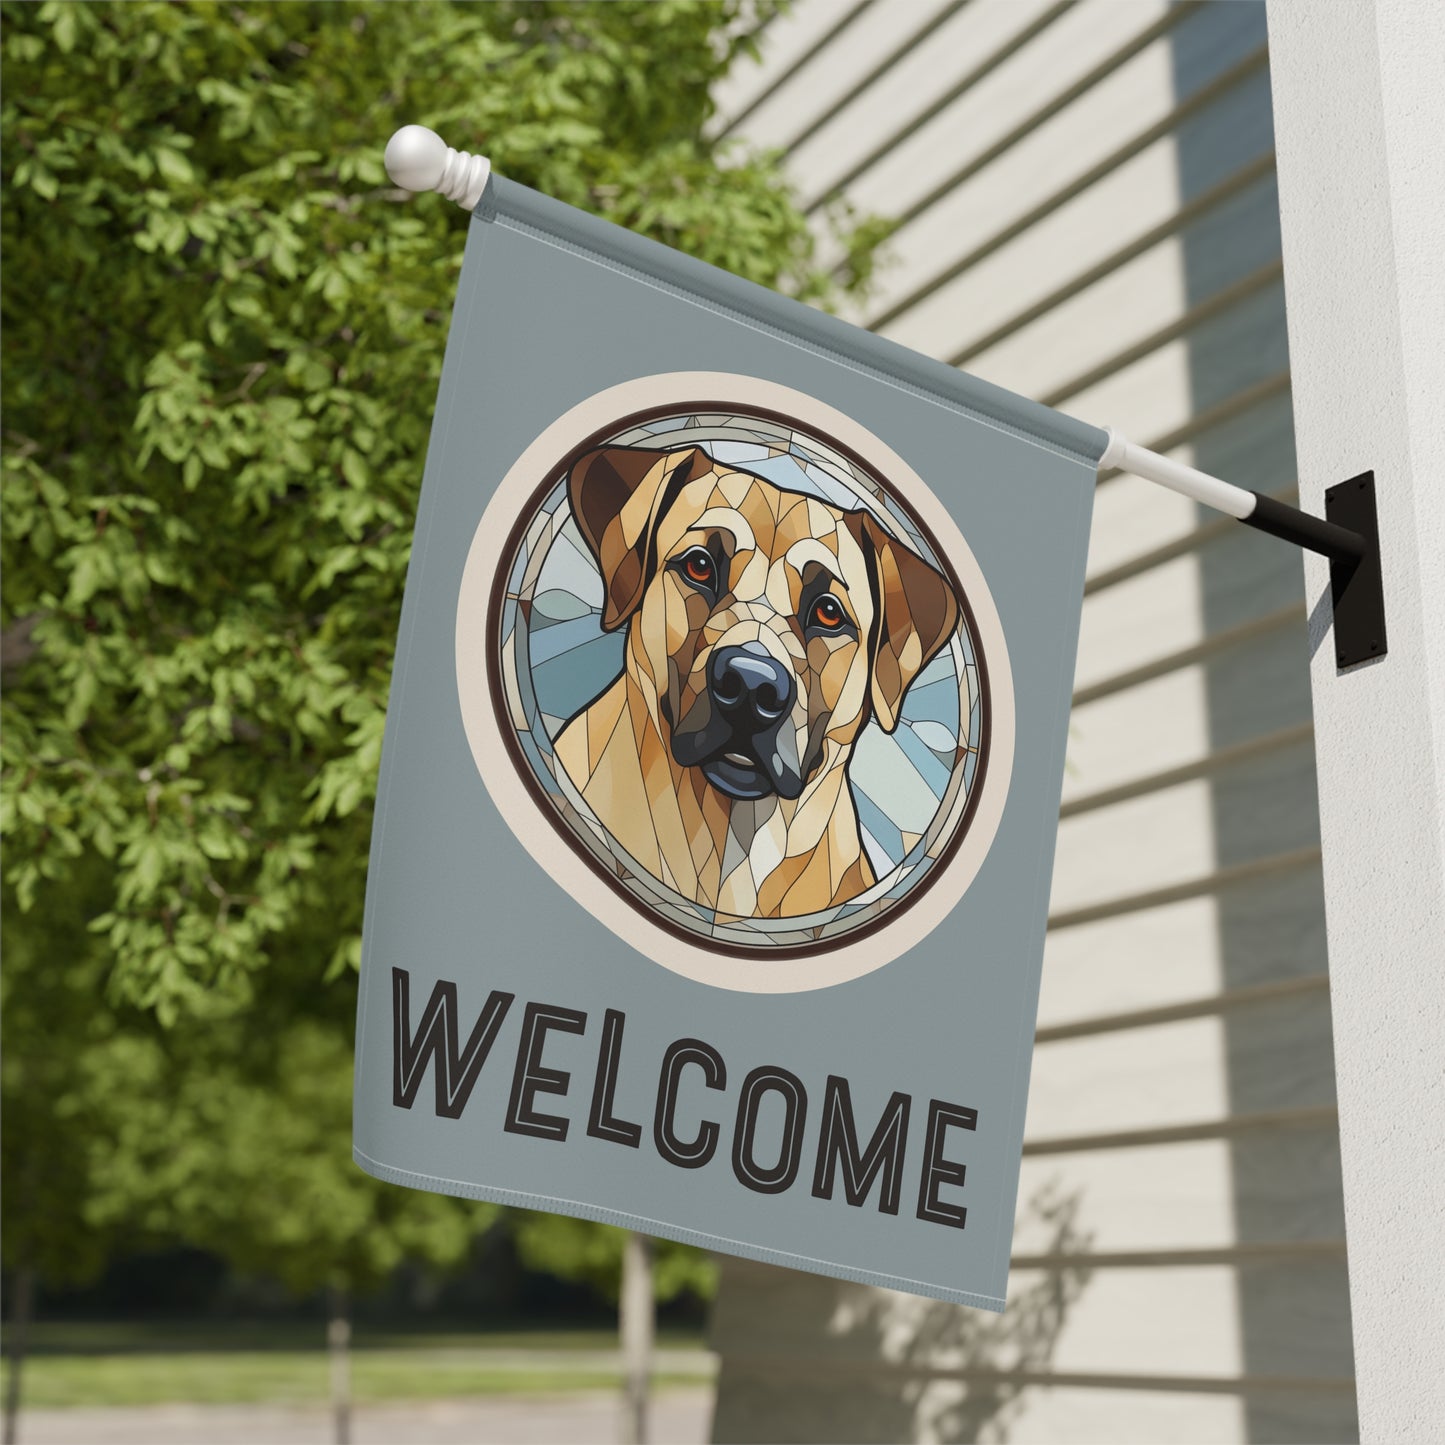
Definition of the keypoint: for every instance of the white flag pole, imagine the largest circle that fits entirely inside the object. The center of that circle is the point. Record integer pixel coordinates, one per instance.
(1254, 508)
(1124, 455)
(418, 159)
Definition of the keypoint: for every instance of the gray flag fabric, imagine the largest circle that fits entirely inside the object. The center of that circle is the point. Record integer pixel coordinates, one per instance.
(721, 777)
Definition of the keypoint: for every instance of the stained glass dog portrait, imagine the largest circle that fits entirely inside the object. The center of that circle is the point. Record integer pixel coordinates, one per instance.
(763, 629)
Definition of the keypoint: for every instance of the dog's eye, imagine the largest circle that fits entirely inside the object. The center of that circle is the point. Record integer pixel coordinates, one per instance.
(698, 567)
(828, 613)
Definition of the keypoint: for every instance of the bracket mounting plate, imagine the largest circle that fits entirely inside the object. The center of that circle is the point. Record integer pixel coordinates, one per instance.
(1357, 587)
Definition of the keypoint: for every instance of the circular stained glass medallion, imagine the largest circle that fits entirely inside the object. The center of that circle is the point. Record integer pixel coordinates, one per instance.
(737, 674)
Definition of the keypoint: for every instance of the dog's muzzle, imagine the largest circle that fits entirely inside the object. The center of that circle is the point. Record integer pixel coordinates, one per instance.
(738, 733)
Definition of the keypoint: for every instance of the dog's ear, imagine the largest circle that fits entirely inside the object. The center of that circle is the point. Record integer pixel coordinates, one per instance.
(617, 495)
(915, 612)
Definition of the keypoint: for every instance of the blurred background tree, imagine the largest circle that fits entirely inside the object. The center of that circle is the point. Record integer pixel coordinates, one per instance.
(223, 331)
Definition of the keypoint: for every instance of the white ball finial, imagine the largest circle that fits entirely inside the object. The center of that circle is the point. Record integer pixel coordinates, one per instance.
(415, 158)
(418, 159)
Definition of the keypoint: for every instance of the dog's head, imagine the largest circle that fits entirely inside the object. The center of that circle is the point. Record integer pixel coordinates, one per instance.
(763, 625)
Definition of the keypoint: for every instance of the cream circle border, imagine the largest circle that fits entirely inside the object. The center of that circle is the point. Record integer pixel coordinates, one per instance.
(536, 833)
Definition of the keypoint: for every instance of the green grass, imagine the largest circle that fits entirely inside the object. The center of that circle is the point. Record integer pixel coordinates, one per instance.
(283, 1378)
(108, 1337)
(238, 1363)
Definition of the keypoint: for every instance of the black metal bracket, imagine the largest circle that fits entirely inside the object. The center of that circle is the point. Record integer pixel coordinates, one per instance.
(1349, 535)
(1357, 589)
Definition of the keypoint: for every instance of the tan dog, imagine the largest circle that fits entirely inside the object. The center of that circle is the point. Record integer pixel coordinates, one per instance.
(763, 627)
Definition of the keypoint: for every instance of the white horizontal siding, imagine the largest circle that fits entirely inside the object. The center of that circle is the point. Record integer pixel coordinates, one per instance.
(1158, 724)
(1137, 1079)
(1153, 841)
(788, 40)
(1102, 234)
(1180, 1201)
(910, 89)
(1116, 964)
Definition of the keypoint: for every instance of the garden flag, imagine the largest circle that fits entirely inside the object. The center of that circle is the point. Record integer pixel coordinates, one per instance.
(722, 768)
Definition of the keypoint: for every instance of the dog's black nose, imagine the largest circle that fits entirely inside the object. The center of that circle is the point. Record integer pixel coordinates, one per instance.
(749, 685)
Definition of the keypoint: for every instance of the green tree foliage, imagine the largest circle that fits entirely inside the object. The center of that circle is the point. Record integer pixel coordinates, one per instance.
(232, 1133)
(53, 1031)
(578, 1249)
(247, 1153)
(223, 330)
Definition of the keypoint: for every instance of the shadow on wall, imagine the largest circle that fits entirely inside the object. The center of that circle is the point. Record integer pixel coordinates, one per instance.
(1293, 1299)
(915, 1369)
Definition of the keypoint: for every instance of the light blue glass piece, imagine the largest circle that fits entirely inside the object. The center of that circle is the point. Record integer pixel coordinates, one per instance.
(878, 829)
(938, 703)
(890, 768)
(558, 605)
(939, 670)
(833, 492)
(569, 568)
(738, 454)
(934, 736)
(784, 472)
(568, 683)
(562, 637)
